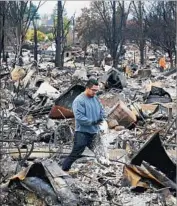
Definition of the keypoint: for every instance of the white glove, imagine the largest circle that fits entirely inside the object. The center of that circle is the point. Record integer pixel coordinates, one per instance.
(104, 161)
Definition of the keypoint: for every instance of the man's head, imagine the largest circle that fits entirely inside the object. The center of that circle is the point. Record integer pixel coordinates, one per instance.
(91, 87)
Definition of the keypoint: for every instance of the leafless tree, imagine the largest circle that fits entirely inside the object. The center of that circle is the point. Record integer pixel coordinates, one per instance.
(20, 17)
(114, 15)
(88, 29)
(3, 9)
(161, 27)
(139, 33)
(59, 32)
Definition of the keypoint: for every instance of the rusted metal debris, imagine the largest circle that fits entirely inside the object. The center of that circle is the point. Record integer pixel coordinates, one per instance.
(154, 153)
(63, 105)
(163, 179)
(45, 181)
(138, 178)
(59, 112)
(151, 165)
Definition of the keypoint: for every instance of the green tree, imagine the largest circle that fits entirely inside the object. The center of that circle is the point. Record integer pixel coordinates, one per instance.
(30, 35)
(50, 36)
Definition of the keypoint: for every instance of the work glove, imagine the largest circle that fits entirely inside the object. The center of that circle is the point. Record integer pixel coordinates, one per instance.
(97, 122)
(104, 161)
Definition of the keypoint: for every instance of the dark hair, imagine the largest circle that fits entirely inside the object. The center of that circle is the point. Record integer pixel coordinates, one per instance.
(91, 82)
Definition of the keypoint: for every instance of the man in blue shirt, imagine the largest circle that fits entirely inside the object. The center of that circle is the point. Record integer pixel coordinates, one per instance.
(88, 113)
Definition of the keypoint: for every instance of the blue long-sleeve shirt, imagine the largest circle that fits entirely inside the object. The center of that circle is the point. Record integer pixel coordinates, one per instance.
(86, 110)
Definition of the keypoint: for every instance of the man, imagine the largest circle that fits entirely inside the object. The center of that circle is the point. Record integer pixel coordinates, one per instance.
(88, 113)
(162, 63)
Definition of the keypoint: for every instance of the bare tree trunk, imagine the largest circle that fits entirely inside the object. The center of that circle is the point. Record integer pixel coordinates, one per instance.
(141, 52)
(142, 44)
(114, 44)
(58, 56)
(139, 9)
(18, 38)
(1, 30)
(2, 42)
(171, 58)
(35, 42)
(2, 27)
(63, 39)
(85, 50)
(176, 34)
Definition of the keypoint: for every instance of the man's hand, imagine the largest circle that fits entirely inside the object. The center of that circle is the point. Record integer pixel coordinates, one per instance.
(97, 122)
(104, 161)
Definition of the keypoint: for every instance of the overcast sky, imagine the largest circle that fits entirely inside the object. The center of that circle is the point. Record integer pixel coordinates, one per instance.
(70, 6)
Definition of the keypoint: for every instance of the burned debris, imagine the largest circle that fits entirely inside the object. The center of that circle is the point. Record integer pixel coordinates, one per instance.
(113, 79)
(156, 166)
(138, 137)
(157, 95)
(63, 104)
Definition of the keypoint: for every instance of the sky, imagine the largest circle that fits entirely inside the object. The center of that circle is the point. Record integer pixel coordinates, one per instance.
(70, 6)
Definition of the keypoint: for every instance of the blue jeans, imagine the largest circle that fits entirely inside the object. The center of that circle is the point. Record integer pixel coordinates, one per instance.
(81, 141)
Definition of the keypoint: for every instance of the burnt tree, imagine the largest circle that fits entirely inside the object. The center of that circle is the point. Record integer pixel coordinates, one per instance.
(161, 28)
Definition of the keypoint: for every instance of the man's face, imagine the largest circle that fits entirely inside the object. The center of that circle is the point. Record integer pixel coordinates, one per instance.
(92, 91)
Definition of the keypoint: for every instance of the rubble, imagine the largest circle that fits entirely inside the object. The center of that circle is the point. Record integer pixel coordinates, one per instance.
(80, 74)
(154, 153)
(46, 89)
(37, 126)
(113, 79)
(144, 73)
(122, 114)
(63, 104)
(17, 74)
(158, 95)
